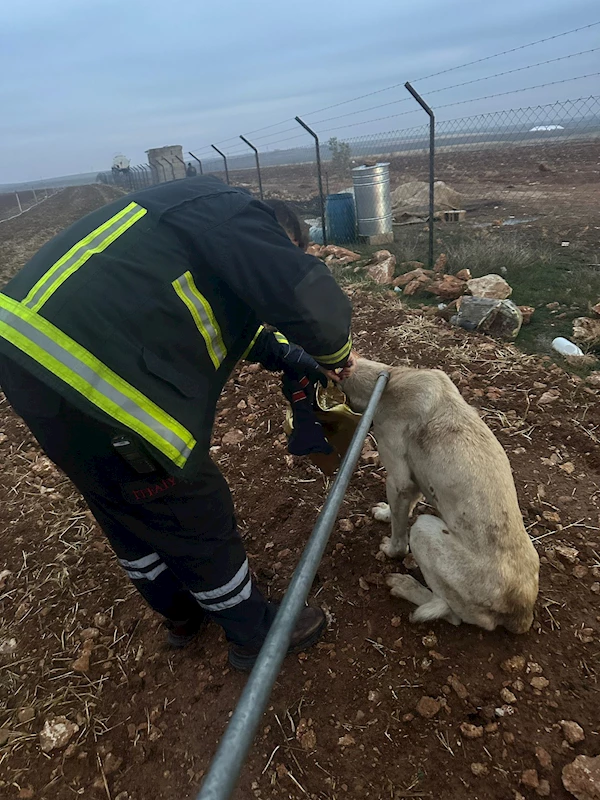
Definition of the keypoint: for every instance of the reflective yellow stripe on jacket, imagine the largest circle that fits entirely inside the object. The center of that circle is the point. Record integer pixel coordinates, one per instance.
(338, 356)
(95, 242)
(81, 370)
(203, 316)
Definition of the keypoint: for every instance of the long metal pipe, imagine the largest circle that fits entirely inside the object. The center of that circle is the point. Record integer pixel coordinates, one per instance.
(224, 770)
(428, 110)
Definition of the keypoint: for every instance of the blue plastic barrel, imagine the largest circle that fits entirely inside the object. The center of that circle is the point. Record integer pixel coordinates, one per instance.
(341, 218)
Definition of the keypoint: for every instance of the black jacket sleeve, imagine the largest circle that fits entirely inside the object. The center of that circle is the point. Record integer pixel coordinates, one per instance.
(286, 288)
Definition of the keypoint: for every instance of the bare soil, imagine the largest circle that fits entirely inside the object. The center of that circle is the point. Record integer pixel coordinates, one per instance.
(343, 719)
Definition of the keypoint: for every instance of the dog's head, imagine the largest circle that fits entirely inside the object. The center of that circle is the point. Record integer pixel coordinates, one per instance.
(358, 386)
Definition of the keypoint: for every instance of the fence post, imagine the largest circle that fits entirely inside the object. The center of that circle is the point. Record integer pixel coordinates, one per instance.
(19, 202)
(166, 160)
(184, 167)
(320, 177)
(224, 157)
(260, 186)
(198, 160)
(428, 110)
(34, 197)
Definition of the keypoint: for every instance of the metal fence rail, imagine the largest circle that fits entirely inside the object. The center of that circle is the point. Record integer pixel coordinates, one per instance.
(223, 773)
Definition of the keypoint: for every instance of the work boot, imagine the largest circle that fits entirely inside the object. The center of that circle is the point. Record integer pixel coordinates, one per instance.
(309, 627)
(180, 634)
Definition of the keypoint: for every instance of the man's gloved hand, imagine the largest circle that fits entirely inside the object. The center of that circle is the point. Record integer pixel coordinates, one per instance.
(296, 364)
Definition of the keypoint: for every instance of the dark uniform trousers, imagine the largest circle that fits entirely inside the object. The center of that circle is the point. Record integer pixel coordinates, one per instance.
(177, 540)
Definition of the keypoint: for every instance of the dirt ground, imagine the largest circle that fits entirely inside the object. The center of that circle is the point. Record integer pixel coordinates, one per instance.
(346, 718)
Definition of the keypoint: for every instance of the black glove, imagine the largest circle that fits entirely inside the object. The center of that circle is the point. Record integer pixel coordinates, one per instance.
(296, 364)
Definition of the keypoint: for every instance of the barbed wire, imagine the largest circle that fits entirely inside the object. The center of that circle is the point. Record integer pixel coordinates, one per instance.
(414, 80)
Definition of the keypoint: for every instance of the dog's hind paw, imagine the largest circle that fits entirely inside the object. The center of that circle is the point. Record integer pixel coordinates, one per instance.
(400, 585)
(382, 512)
(388, 548)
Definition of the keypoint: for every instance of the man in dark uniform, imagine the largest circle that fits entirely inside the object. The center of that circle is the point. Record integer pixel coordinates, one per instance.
(115, 342)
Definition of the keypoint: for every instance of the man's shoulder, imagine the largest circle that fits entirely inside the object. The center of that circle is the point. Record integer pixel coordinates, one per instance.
(167, 198)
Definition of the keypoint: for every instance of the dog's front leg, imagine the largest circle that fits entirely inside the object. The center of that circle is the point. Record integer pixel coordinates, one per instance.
(400, 502)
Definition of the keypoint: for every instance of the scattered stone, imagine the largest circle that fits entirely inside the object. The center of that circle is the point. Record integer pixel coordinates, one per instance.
(26, 714)
(112, 764)
(26, 793)
(470, 731)
(509, 737)
(413, 274)
(341, 254)
(396, 622)
(459, 688)
(544, 758)
(57, 733)
(101, 620)
(491, 727)
(346, 741)
(585, 635)
(492, 287)
(595, 588)
(8, 646)
(586, 330)
(82, 663)
(382, 266)
(572, 731)
(89, 633)
(464, 275)
(530, 779)
(398, 642)
(534, 668)
(527, 312)
(306, 735)
(416, 285)
(593, 379)
(569, 554)
(551, 396)
(539, 682)
(6, 735)
(514, 664)
(4, 574)
(504, 711)
(428, 707)
(429, 641)
(518, 685)
(582, 778)
(479, 769)
(233, 437)
(440, 264)
(448, 287)
(507, 696)
(543, 789)
(345, 525)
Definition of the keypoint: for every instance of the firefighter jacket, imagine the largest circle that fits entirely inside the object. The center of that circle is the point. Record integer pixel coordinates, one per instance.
(138, 312)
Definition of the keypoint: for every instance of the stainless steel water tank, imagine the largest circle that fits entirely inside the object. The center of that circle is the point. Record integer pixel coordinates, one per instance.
(373, 199)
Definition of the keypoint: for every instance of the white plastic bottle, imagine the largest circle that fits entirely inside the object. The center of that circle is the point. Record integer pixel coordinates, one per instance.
(565, 347)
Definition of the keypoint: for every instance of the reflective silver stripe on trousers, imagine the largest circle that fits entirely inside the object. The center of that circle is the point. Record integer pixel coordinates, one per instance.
(140, 563)
(147, 576)
(227, 587)
(238, 598)
(98, 240)
(215, 337)
(98, 383)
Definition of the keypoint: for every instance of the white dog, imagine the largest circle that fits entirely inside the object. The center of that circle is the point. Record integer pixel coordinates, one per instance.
(478, 561)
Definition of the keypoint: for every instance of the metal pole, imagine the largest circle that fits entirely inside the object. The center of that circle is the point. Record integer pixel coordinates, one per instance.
(35, 200)
(428, 110)
(321, 194)
(19, 202)
(260, 186)
(224, 770)
(183, 162)
(224, 157)
(170, 163)
(198, 160)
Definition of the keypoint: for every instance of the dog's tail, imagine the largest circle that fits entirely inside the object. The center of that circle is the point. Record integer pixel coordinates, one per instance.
(436, 608)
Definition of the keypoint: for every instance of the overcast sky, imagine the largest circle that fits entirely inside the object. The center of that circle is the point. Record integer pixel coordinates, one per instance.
(86, 79)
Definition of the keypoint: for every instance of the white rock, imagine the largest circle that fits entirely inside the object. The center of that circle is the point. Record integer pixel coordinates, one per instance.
(57, 733)
(493, 287)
